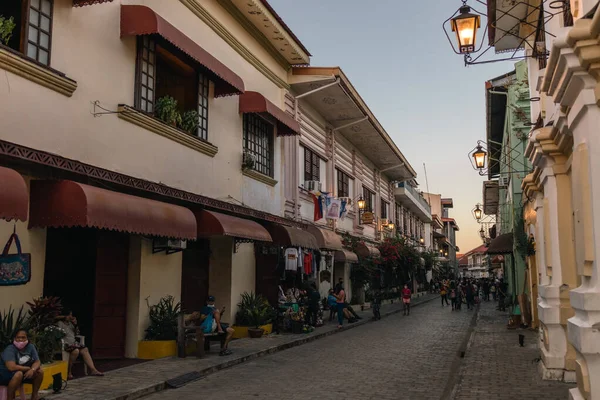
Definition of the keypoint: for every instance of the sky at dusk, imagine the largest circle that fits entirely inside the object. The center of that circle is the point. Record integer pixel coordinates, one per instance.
(396, 55)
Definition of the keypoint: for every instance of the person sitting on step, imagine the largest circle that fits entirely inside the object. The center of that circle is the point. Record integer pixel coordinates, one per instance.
(19, 364)
(68, 323)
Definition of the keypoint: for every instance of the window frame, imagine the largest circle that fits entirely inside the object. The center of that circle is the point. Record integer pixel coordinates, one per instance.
(369, 198)
(23, 34)
(343, 179)
(26, 24)
(312, 165)
(150, 43)
(384, 209)
(270, 135)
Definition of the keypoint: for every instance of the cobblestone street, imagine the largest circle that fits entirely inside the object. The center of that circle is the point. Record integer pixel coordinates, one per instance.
(396, 358)
(415, 357)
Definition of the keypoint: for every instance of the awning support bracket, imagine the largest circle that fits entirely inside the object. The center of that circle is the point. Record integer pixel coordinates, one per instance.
(238, 241)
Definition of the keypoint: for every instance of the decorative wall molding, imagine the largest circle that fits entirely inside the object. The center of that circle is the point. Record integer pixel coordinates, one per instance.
(254, 32)
(30, 70)
(250, 173)
(143, 120)
(231, 40)
(15, 152)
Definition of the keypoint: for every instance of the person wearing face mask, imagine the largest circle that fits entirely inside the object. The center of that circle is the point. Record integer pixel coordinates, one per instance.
(219, 326)
(20, 364)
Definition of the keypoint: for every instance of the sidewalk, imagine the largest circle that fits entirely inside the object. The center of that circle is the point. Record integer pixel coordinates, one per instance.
(497, 367)
(142, 379)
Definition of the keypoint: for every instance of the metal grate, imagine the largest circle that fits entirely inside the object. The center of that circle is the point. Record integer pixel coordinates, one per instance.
(258, 141)
(39, 23)
(203, 86)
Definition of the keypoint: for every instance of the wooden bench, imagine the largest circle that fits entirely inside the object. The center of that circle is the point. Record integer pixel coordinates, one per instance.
(187, 333)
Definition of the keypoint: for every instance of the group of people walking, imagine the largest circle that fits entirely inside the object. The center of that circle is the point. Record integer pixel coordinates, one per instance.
(470, 291)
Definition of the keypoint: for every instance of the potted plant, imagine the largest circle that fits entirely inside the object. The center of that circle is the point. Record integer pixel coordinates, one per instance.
(166, 110)
(190, 120)
(161, 334)
(7, 25)
(254, 316)
(248, 161)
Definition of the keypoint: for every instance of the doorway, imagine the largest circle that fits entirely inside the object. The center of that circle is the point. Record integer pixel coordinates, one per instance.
(194, 275)
(87, 270)
(267, 276)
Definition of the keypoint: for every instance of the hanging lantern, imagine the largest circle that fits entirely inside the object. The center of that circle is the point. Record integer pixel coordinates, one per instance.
(478, 213)
(482, 233)
(479, 157)
(465, 25)
(361, 203)
(390, 226)
(422, 240)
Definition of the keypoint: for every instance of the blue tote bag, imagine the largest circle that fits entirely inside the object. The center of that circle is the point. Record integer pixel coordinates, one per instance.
(15, 269)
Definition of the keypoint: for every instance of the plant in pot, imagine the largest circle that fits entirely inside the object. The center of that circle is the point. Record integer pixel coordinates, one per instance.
(7, 25)
(190, 120)
(254, 312)
(166, 110)
(163, 319)
(248, 161)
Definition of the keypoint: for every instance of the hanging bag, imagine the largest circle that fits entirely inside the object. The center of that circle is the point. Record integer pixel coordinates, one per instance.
(15, 269)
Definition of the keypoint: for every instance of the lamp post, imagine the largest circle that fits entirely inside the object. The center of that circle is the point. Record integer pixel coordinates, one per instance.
(465, 26)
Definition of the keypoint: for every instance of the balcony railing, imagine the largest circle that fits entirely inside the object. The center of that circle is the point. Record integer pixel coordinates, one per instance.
(418, 196)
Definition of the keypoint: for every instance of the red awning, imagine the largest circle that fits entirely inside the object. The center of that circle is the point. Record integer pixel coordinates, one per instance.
(212, 223)
(141, 20)
(287, 236)
(66, 204)
(81, 3)
(254, 102)
(367, 250)
(14, 197)
(326, 238)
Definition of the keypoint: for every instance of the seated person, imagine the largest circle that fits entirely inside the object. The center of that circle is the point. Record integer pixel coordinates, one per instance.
(218, 326)
(68, 323)
(20, 364)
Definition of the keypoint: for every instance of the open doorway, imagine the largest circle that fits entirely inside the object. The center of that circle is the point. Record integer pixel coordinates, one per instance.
(87, 269)
(194, 275)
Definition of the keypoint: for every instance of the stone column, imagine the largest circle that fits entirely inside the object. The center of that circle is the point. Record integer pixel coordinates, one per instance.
(573, 80)
(558, 356)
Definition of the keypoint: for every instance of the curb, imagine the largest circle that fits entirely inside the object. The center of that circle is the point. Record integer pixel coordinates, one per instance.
(157, 387)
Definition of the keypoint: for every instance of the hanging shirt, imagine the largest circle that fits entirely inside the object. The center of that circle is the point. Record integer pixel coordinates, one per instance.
(291, 259)
(300, 264)
(308, 263)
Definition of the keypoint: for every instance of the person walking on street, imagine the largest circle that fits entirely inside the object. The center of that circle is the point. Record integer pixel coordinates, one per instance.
(406, 295)
(444, 294)
(470, 295)
(501, 295)
(493, 290)
(341, 304)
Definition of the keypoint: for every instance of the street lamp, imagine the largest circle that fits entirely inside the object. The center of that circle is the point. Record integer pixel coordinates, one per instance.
(479, 156)
(422, 240)
(390, 226)
(482, 233)
(361, 203)
(478, 213)
(465, 25)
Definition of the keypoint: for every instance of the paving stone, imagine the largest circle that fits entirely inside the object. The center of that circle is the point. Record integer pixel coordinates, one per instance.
(496, 367)
(134, 381)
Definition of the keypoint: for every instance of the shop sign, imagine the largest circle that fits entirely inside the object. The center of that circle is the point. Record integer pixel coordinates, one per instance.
(367, 218)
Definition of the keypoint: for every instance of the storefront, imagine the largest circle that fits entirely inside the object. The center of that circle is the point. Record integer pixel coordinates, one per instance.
(232, 266)
(99, 257)
(275, 271)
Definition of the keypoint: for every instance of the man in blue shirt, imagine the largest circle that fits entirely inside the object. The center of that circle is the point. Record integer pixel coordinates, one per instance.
(218, 326)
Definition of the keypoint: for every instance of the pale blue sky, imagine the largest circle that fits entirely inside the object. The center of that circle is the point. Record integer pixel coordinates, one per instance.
(398, 58)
